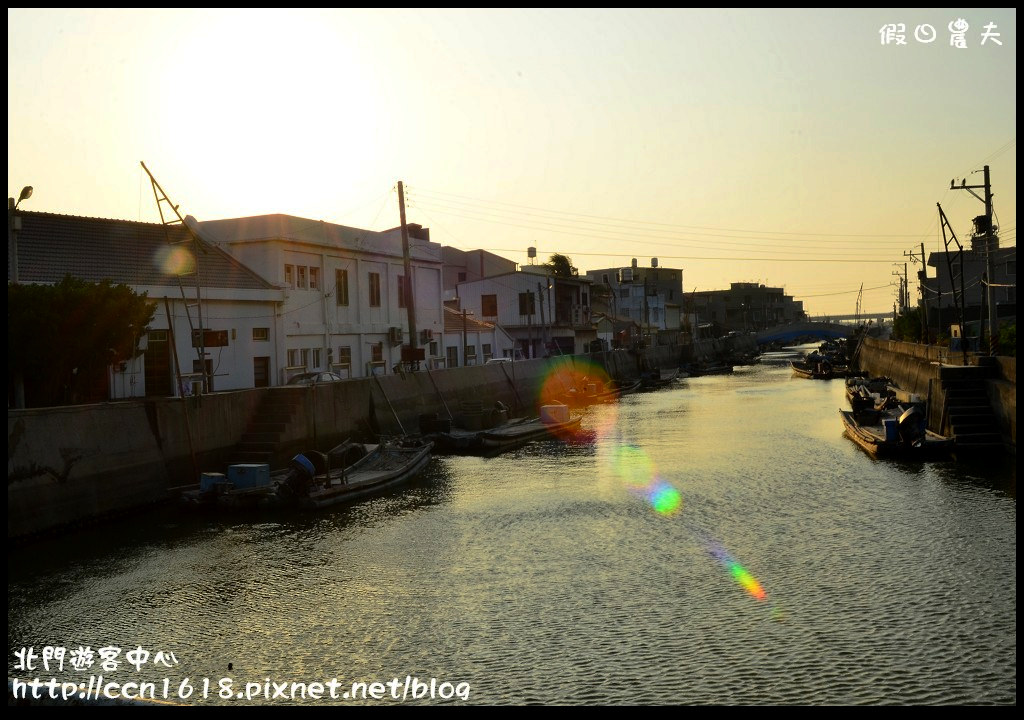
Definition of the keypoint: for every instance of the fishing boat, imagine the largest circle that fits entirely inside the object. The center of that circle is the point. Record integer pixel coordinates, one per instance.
(870, 394)
(350, 471)
(591, 392)
(513, 435)
(656, 379)
(898, 433)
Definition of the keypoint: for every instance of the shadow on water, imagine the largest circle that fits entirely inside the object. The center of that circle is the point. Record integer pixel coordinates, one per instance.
(170, 526)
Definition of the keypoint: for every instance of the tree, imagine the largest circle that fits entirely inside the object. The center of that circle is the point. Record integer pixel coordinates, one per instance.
(561, 266)
(61, 338)
(908, 326)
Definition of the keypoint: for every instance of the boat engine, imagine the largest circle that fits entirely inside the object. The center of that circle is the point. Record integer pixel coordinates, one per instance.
(304, 468)
(911, 426)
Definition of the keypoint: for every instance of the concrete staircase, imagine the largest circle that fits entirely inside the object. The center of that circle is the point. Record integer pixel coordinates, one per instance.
(262, 436)
(969, 417)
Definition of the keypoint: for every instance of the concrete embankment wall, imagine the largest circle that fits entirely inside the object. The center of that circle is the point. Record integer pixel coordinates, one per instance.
(70, 464)
(916, 369)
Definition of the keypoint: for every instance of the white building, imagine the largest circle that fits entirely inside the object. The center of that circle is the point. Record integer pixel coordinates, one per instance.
(545, 314)
(239, 307)
(652, 297)
(345, 306)
(468, 341)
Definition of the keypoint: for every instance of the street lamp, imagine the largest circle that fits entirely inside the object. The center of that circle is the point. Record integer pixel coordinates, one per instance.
(26, 193)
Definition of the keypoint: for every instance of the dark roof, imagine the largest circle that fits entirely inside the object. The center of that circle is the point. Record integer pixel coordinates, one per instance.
(51, 246)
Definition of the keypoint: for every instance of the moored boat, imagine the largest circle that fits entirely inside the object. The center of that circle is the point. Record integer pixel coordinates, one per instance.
(899, 433)
(350, 471)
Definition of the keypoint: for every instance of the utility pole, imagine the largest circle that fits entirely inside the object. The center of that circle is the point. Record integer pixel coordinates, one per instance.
(989, 241)
(922, 276)
(543, 325)
(407, 280)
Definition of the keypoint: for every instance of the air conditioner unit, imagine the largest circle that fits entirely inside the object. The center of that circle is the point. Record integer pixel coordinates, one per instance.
(627, 275)
(395, 335)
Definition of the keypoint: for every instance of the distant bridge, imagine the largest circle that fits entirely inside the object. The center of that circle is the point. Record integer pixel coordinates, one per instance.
(863, 317)
(821, 330)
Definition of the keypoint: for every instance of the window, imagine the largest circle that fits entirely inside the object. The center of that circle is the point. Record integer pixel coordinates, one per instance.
(604, 278)
(469, 352)
(293, 358)
(374, 289)
(526, 303)
(345, 354)
(453, 356)
(289, 275)
(314, 278)
(377, 349)
(489, 305)
(462, 277)
(305, 358)
(157, 335)
(341, 287)
(300, 277)
(433, 348)
(316, 358)
(401, 291)
(487, 352)
(261, 334)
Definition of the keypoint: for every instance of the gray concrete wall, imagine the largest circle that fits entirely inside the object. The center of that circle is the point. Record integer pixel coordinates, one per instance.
(68, 464)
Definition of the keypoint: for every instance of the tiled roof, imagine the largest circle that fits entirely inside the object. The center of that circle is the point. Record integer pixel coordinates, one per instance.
(51, 246)
(453, 322)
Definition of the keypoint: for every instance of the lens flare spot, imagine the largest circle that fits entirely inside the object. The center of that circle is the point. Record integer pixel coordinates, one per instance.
(665, 499)
(174, 260)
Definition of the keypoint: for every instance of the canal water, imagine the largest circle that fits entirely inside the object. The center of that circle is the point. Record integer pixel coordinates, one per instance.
(716, 542)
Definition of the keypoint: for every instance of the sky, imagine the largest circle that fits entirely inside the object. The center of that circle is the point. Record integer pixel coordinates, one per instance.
(793, 148)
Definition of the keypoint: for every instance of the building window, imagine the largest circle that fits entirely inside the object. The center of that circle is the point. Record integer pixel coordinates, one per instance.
(157, 335)
(341, 287)
(469, 352)
(300, 277)
(453, 356)
(489, 305)
(261, 334)
(316, 358)
(433, 348)
(314, 278)
(401, 291)
(374, 289)
(526, 303)
(289, 275)
(462, 277)
(487, 352)
(345, 355)
(293, 358)
(305, 358)
(377, 350)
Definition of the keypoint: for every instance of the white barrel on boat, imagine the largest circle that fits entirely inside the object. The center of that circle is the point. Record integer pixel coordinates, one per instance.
(552, 414)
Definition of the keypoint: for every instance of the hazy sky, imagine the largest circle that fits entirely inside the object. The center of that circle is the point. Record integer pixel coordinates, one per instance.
(789, 147)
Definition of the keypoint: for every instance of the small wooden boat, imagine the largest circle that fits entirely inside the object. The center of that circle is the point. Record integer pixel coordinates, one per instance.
(900, 433)
(316, 480)
(817, 370)
(656, 379)
(593, 392)
(513, 435)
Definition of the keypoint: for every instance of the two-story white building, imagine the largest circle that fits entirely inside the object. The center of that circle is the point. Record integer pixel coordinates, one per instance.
(544, 313)
(345, 305)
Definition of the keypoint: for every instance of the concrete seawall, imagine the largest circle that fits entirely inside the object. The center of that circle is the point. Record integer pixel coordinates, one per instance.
(70, 464)
(918, 369)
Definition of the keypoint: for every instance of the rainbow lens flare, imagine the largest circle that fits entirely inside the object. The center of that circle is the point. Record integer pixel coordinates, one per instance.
(739, 573)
